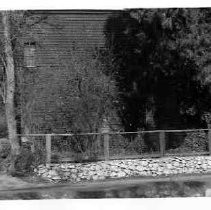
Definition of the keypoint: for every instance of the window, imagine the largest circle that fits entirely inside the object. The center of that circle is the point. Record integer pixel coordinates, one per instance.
(29, 54)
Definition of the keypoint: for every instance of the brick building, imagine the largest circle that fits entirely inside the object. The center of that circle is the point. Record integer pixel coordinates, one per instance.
(48, 44)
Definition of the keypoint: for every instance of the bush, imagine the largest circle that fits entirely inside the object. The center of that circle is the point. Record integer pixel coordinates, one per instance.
(136, 146)
(39, 157)
(75, 101)
(4, 148)
(4, 164)
(193, 142)
(55, 158)
(24, 162)
(197, 141)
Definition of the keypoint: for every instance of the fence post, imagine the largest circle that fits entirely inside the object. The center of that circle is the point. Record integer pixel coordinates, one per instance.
(48, 148)
(209, 138)
(105, 132)
(162, 143)
(98, 143)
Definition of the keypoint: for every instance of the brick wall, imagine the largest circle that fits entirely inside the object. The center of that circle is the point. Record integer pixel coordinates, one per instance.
(55, 39)
(62, 34)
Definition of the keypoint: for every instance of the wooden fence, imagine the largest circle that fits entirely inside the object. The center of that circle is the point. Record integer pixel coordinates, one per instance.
(106, 139)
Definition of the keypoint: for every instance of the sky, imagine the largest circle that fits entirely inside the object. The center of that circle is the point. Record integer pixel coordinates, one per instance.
(99, 4)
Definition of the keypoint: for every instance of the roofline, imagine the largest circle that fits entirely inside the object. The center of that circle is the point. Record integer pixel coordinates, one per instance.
(75, 11)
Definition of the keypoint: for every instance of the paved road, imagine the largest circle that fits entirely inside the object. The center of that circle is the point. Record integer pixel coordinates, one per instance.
(8, 182)
(11, 185)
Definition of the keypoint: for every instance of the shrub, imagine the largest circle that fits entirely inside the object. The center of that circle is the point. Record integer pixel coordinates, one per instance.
(135, 146)
(24, 162)
(196, 141)
(39, 157)
(4, 148)
(193, 142)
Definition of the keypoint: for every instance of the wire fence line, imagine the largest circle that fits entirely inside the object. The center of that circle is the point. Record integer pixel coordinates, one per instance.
(99, 133)
(107, 145)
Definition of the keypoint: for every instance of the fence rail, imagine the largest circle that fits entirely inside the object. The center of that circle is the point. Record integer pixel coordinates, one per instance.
(120, 132)
(129, 145)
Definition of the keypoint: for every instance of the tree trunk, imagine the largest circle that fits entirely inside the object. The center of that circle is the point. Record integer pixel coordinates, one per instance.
(10, 90)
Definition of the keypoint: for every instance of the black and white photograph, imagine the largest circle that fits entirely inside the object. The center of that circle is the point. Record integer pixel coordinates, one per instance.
(105, 103)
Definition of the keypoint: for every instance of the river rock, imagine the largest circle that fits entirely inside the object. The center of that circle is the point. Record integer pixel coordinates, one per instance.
(45, 175)
(73, 170)
(113, 174)
(101, 177)
(66, 174)
(139, 168)
(169, 166)
(52, 173)
(73, 176)
(70, 166)
(176, 164)
(43, 170)
(144, 163)
(56, 178)
(121, 174)
(125, 168)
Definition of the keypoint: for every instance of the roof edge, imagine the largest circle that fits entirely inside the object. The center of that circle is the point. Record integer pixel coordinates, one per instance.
(76, 11)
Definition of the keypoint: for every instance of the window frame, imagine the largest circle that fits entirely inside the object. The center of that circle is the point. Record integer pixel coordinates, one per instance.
(30, 54)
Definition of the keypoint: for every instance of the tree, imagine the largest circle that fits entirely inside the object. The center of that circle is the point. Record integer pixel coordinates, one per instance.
(161, 57)
(161, 60)
(10, 89)
(14, 23)
(72, 97)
